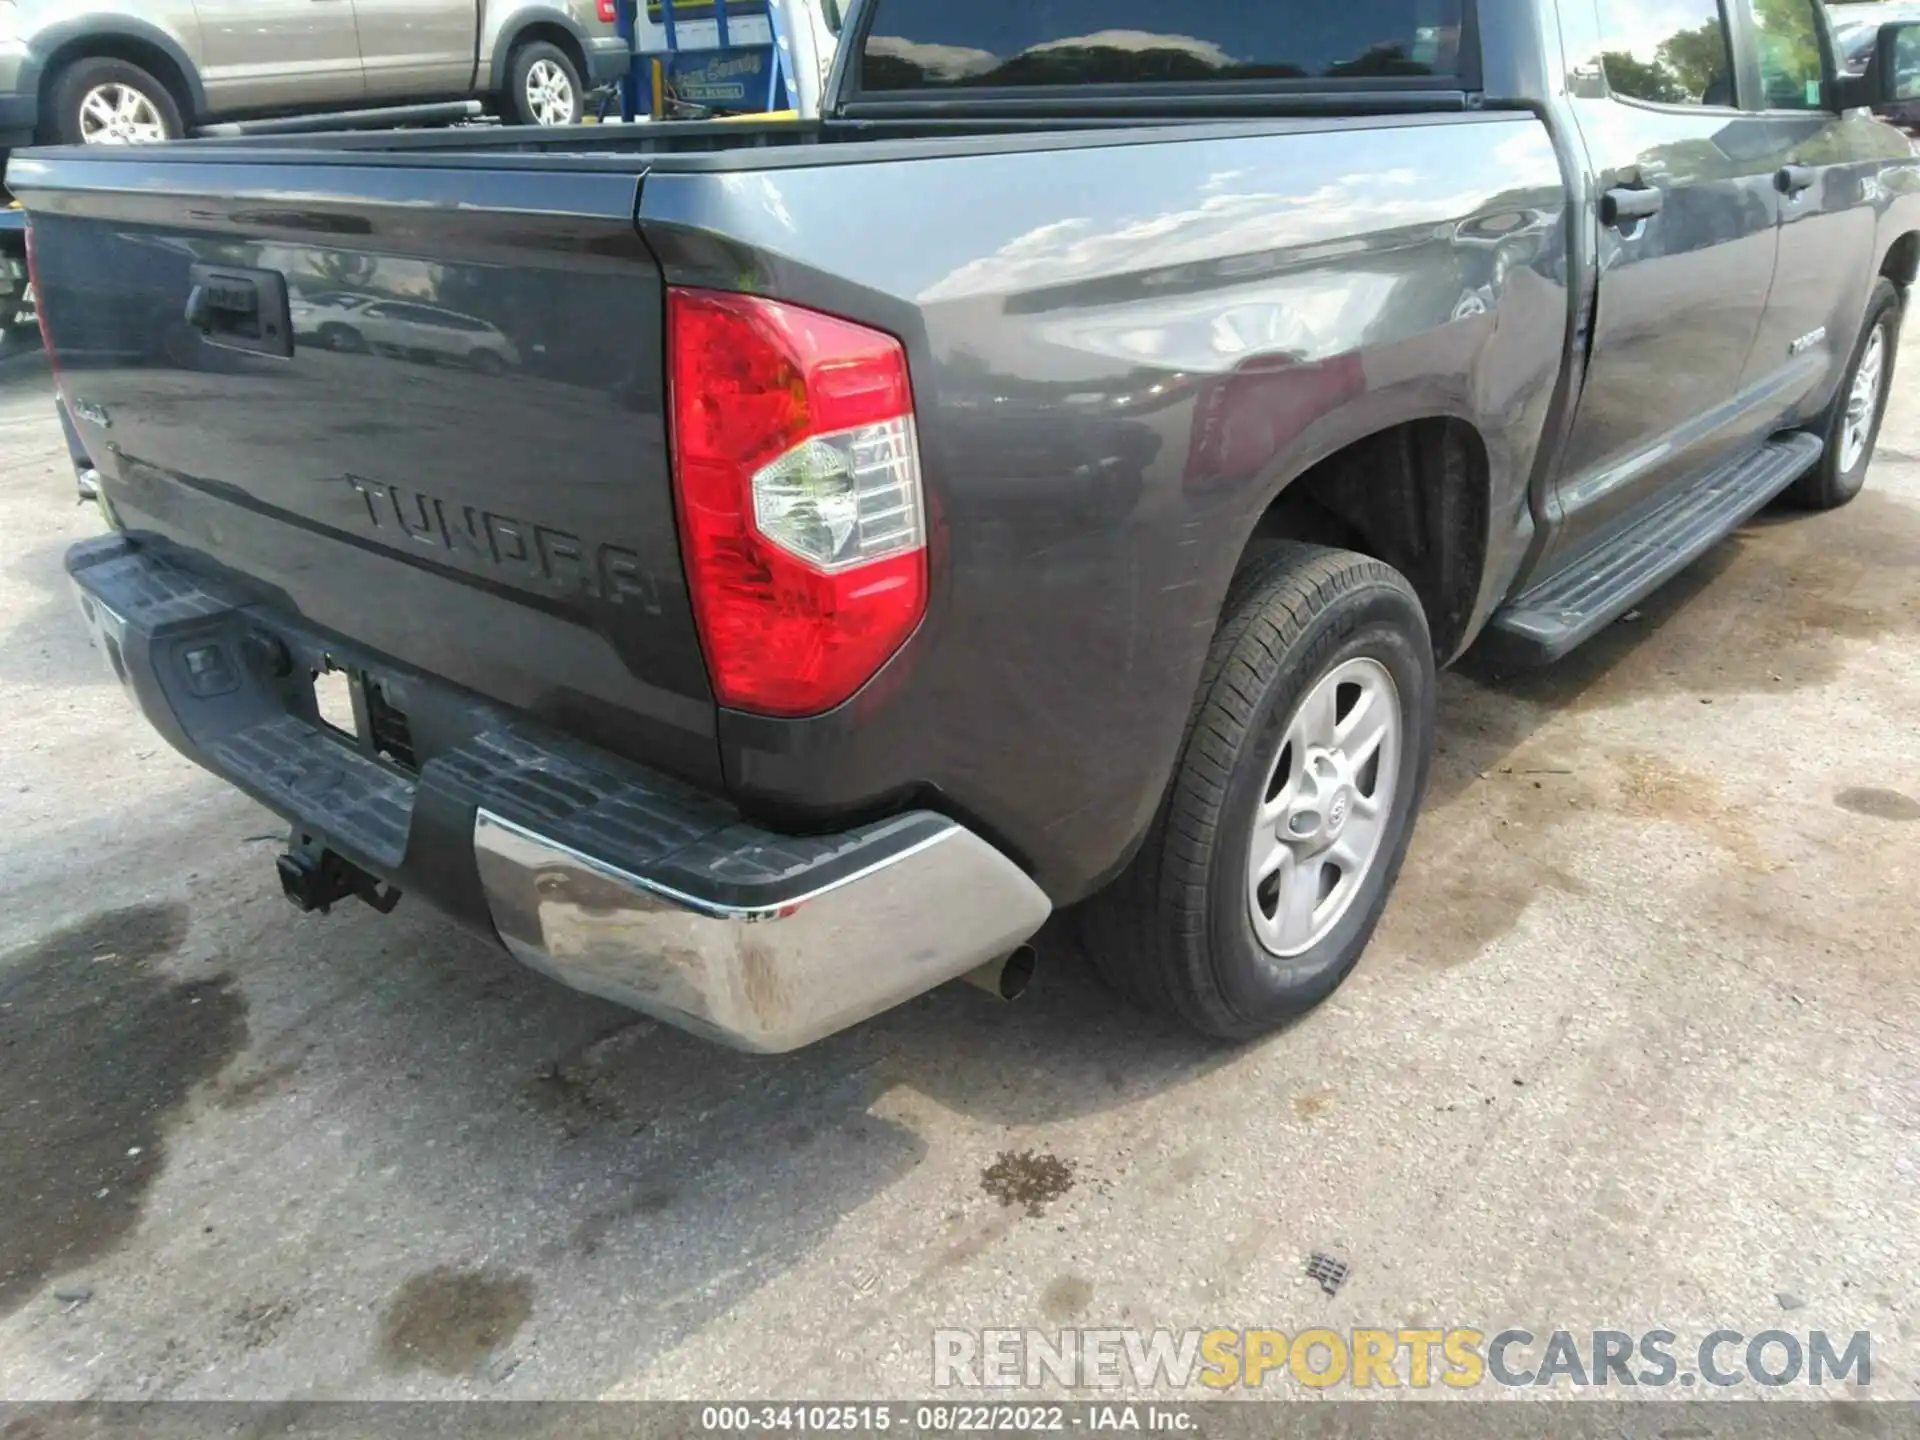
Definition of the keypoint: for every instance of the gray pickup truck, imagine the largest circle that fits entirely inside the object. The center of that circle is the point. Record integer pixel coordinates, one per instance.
(1050, 479)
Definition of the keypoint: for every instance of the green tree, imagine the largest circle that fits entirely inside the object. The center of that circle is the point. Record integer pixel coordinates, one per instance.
(1789, 51)
(1699, 59)
(1639, 79)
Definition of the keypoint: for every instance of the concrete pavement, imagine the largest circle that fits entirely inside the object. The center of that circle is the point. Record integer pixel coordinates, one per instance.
(1635, 1048)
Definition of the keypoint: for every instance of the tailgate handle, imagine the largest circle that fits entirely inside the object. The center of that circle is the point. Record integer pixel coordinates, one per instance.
(240, 309)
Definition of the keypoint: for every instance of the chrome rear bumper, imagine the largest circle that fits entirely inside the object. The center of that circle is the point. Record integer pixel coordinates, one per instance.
(611, 878)
(907, 906)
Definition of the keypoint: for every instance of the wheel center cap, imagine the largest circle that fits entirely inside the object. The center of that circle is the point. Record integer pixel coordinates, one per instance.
(1325, 803)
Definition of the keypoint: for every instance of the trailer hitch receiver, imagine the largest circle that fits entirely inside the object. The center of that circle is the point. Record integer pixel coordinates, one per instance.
(313, 877)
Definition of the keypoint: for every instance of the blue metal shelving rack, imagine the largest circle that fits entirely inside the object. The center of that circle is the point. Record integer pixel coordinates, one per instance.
(640, 73)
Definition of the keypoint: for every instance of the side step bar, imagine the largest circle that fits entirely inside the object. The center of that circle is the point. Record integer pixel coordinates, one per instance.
(1575, 604)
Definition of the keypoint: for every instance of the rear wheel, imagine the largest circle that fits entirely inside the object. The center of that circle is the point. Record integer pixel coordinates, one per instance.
(543, 87)
(343, 338)
(107, 101)
(1851, 427)
(1288, 818)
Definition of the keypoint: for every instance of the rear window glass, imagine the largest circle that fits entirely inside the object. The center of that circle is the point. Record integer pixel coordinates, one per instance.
(947, 44)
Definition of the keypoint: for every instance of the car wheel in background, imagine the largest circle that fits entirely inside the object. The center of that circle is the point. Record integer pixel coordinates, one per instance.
(1288, 817)
(106, 101)
(341, 337)
(1851, 426)
(543, 88)
(486, 362)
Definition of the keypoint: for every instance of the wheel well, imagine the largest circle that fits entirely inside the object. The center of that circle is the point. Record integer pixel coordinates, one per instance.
(1415, 496)
(1902, 264)
(148, 56)
(557, 35)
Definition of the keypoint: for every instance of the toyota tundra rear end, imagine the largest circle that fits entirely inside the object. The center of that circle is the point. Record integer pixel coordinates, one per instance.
(535, 577)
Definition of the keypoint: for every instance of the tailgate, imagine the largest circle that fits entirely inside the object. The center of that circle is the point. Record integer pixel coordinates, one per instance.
(419, 406)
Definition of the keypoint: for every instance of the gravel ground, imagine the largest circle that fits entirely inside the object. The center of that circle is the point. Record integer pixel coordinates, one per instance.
(1636, 1048)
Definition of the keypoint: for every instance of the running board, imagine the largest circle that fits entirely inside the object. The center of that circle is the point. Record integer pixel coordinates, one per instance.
(1574, 605)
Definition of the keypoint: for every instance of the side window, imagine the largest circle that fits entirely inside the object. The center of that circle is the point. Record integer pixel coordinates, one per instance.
(1668, 52)
(1787, 32)
(953, 44)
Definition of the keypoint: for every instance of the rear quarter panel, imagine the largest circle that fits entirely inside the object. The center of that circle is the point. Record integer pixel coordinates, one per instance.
(1121, 353)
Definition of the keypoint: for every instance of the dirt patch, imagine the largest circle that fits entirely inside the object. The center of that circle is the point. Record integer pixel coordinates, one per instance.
(257, 1324)
(98, 1049)
(1067, 1297)
(1650, 787)
(1487, 845)
(567, 1096)
(1313, 1104)
(617, 1082)
(1029, 1178)
(1879, 804)
(448, 1320)
(1767, 610)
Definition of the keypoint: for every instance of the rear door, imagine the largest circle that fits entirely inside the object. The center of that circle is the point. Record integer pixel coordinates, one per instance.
(279, 54)
(1687, 245)
(417, 49)
(1829, 168)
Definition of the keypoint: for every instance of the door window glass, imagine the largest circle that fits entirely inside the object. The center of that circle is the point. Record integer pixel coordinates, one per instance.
(1668, 52)
(1787, 33)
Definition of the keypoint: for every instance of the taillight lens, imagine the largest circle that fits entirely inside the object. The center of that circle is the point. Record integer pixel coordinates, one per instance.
(798, 478)
(607, 11)
(40, 313)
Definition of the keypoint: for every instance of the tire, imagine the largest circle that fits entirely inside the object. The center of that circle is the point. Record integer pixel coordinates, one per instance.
(556, 74)
(1177, 932)
(1842, 467)
(487, 362)
(151, 115)
(343, 338)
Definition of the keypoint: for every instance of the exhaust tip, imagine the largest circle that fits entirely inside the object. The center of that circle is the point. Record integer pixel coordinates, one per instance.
(1008, 977)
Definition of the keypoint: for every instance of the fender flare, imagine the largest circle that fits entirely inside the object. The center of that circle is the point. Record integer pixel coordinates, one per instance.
(75, 37)
(509, 41)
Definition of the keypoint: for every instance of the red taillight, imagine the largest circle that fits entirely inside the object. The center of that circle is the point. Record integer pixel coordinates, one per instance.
(40, 312)
(607, 11)
(798, 477)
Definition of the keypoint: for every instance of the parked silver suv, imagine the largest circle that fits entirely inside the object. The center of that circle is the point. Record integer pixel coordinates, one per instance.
(119, 71)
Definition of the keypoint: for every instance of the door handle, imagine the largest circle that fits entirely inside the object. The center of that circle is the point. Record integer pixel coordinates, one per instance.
(1793, 179)
(1627, 206)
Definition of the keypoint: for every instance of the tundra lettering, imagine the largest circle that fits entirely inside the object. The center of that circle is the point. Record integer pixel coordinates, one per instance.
(613, 573)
